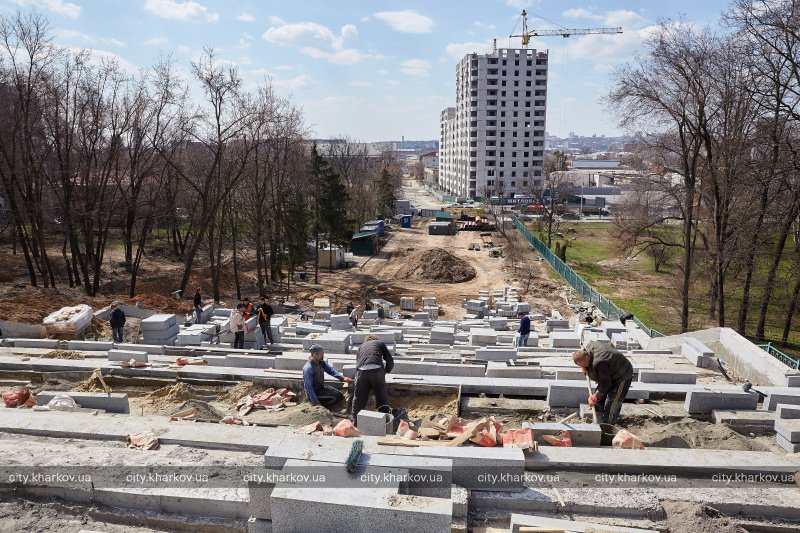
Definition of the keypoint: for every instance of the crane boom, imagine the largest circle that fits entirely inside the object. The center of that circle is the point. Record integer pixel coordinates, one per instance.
(564, 32)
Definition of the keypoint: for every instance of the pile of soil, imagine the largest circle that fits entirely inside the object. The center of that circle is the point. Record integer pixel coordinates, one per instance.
(300, 415)
(689, 517)
(241, 390)
(435, 266)
(419, 406)
(62, 354)
(691, 433)
(204, 410)
(169, 396)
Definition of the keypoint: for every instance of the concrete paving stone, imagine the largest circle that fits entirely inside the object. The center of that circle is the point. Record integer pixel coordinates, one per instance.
(127, 355)
(787, 411)
(744, 419)
(697, 353)
(580, 434)
(665, 376)
(551, 325)
(388, 336)
(460, 499)
(250, 361)
(373, 423)
(610, 327)
(789, 446)
(90, 346)
(705, 401)
(114, 402)
(49, 344)
(216, 360)
(495, 354)
(565, 394)
(306, 328)
(519, 521)
(152, 349)
(499, 369)
(564, 339)
(567, 374)
(159, 322)
(774, 398)
(789, 429)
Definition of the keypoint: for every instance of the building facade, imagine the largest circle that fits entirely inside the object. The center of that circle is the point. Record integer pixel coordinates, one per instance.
(492, 142)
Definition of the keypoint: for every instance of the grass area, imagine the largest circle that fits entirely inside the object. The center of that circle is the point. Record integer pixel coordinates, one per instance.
(652, 296)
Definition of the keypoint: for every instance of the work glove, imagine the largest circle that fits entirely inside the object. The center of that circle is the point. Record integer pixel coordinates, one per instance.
(583, 369)
(593, 399)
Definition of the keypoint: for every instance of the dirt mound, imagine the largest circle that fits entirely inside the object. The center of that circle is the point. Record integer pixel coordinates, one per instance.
(167, 397)
(241, 390)
(689, 517)
(435, 266)
(62, 354)
(204, 410)
(692, 433)
(300, 415)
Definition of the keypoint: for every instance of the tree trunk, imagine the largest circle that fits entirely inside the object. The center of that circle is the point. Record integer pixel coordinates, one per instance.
(773, 272)
(790, 313)
(752, 253)
(687, 260)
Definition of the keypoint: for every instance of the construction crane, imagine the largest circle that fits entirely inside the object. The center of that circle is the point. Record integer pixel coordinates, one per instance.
(564, 32)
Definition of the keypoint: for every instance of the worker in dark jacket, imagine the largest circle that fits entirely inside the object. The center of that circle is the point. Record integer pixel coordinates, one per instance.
(117, 323)
(371, 374)
(612, 372)
(524, 328)
(198, 307)
(314, 378)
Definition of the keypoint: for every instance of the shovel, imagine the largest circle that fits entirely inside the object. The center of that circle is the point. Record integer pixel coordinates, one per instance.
(594, 407)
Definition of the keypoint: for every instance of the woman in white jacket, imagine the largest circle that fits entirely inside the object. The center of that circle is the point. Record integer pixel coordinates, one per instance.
(237, 325)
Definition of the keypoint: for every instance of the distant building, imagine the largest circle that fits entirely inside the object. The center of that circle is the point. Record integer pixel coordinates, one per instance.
(430, 160)
(492, 142)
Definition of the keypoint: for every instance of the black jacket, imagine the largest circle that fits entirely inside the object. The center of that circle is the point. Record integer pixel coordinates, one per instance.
(374, 353)
(607, 366)
(265, 312)
(117, 319)
(198, 302)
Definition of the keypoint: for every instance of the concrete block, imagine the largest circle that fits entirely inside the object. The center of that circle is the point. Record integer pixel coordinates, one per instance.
(791, 447)
(115, 402)
(581, 434)
(564, 339)
(340, 322)
(569, 374)
(152, 349)
(663, 376)
(499, 323)
(705, 401)
(610, 327)
(127, 355)
(551, 325)
(249, 361)
(788, 429)
(482, 337)
(744, 419)
(787, 411)
(499, 369)
(47, 344)
(697, 353)
(774, 398)
(459, 496)
(495, 354)
(567, 394)
(90, 346)
(373, 423)
(159, 322)
(304, 328)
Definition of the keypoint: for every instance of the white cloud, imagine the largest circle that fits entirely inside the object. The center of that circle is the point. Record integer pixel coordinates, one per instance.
(407, 21)
(392, 82)
(76, 36)
(383, 72)
(245, 17)
(479, 24)
(276, 21)
(459, 50)
(520, 4)
(580, 13)
(359, 83)
(416, 67)
(317, 41)
(245, 41)
(154, 41)
(67, 9)
(292, 84)
(175, 10)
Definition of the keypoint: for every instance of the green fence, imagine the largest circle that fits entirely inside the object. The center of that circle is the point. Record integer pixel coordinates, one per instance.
(587, 292)
(780, 356)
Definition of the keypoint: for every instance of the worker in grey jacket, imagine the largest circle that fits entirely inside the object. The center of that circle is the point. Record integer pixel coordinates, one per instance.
(371, 374)
(612, 372)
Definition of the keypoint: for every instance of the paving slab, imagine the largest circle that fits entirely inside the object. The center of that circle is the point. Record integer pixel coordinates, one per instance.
(50, 344)
(127, 355)
(112, 402)
(519, 521)
(787, 411)
(569, 394)
(580, 434)
(499, 369)
(789, 429)
(663, 376)
(786, 444)
(564, 339)
(774, 398)
(744, 419)
(90, 346)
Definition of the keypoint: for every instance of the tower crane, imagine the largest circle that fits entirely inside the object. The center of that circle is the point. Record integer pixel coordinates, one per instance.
(564, 32)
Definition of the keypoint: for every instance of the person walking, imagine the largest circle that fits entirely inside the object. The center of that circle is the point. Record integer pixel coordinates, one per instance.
(265, 312)
(198, 307)
(524, 329)
(354, 317)
(237, 325)
(371, 374)
(117, 322)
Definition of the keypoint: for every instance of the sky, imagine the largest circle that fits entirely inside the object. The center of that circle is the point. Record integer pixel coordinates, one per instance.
(374, 70)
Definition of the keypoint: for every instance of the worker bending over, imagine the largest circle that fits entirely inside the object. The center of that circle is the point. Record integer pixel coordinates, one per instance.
(314, 378)
(612, 372)
(371, 374)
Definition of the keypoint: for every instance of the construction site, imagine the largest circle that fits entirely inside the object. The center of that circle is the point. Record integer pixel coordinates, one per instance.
(174, 430)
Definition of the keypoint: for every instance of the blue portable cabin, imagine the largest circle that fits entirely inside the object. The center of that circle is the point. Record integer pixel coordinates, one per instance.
(365, 243)
(405, 221)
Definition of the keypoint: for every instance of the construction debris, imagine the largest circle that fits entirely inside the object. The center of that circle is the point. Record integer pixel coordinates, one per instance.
(146, 440)
(62, 354)
(270, 399)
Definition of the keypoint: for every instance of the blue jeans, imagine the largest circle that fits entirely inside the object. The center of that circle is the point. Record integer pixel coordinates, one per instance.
(198, 315)
(523, 340)
(118, 333)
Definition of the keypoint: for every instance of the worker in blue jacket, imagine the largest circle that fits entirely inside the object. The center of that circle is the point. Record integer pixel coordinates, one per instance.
(524, 328)
(314, 378)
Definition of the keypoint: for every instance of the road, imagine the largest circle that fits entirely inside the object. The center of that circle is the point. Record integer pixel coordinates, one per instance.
(419, 195)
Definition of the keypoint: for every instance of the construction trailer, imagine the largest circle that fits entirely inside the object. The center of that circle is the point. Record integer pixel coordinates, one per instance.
(443, 216)
(380, 224)
(365, 243)
(441, 228)
(331, 257)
